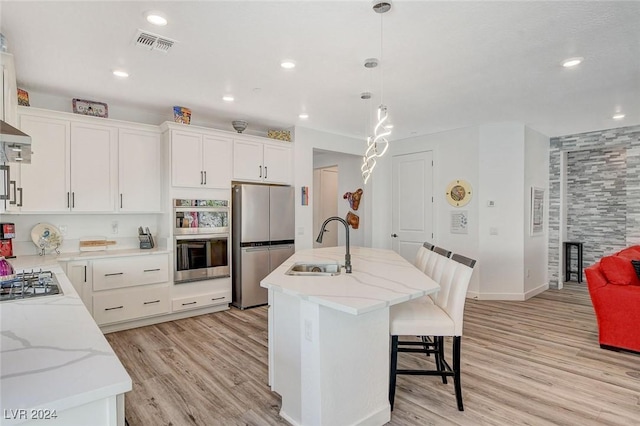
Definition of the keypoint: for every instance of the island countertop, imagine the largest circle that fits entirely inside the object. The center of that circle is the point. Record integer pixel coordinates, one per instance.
(380, 278)
(53, 355)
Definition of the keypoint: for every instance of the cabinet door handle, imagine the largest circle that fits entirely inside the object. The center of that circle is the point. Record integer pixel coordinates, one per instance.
(152, 270)
(68, 199)
(7, 184)
(153, 301)
(116, 307)
(265, 172)
(218, 298)
(112, 274)
(201, 178)
(15, 196)
(205, 177)
(189, 303)
(85, 273)
(260, 171)
(20, 191)
(73, 200)
(120, 200)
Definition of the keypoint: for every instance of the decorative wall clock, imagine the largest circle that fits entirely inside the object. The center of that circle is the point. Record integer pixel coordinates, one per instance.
(459, 193)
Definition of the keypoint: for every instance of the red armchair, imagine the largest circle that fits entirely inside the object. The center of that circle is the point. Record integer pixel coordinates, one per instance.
(614, 288)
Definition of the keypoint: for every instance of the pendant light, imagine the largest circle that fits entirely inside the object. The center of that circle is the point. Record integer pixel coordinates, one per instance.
(377, 144)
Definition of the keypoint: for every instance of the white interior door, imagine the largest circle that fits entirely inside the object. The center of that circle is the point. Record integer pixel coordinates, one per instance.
(326, 204)
(412, 213)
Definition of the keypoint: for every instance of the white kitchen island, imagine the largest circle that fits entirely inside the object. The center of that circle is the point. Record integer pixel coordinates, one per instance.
(329, 335)
(56, 367)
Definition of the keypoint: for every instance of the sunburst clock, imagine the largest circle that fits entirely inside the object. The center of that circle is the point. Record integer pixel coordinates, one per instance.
(459, 193)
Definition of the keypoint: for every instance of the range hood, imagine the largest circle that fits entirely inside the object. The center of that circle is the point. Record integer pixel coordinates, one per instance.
(15, 146)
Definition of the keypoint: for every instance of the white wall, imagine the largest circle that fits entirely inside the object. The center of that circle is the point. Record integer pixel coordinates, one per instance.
(455, 157)
(536, 173)
(306, 140)
(82, 225)
(501, 165)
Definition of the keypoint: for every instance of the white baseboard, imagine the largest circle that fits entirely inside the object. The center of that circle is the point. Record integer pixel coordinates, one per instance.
(508, 296)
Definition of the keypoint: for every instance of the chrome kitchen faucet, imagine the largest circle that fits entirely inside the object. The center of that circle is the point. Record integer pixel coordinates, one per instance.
(347, 256)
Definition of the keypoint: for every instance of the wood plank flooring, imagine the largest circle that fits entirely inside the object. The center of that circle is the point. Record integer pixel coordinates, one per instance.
(523, 363)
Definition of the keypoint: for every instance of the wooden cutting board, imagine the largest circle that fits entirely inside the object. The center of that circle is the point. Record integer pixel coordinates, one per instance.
(95, 244)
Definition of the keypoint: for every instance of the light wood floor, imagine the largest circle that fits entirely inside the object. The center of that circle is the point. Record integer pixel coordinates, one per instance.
(523, 363)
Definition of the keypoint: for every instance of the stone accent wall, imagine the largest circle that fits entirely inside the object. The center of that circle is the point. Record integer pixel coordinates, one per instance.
(605, 167)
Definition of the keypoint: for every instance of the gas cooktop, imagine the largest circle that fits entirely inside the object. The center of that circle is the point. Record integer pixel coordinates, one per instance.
(30, 284)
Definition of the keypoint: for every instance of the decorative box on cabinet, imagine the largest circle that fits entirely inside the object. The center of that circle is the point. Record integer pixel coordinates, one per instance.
(199, 159)
(257, 161)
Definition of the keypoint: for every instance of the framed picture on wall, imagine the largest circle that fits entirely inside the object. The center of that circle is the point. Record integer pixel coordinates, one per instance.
(537, 211)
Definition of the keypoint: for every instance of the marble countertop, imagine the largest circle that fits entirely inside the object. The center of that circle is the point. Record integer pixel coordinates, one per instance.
(380, 278)
(52, 354)
(34, 261)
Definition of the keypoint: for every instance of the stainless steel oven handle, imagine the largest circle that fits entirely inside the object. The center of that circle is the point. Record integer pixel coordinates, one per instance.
(221, 236)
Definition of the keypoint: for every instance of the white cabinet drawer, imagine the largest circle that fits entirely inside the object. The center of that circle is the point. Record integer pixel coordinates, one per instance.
(127, 304)
(132, 271)
(202, 300)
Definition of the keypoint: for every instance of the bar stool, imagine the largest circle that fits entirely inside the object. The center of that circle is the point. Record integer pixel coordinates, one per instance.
(568, 270)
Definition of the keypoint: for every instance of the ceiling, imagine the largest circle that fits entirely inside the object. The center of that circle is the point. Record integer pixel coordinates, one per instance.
(444, 65)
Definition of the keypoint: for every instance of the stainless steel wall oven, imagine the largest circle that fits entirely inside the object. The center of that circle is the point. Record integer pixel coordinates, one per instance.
(201, 233)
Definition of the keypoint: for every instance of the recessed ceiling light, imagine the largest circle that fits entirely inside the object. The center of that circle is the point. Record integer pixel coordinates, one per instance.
(618, 116)
(572, 62)
(120, 73)
(156, 18)
(227, 98)
(304, 116)
(287, 64)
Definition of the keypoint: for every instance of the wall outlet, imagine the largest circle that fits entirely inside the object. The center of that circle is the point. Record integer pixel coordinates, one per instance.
(528, 273)
(63, 229)
(300, 230)
(114, 227)
(493, 231)
(491, 203)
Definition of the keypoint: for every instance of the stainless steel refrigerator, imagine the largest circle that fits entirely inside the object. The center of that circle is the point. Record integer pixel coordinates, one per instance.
(263, 232)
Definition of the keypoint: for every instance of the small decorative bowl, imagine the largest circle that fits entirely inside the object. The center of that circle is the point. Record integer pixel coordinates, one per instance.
(239, 125)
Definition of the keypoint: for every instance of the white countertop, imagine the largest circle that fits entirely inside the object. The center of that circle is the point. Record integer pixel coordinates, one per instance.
(52, 354)
(380, 278)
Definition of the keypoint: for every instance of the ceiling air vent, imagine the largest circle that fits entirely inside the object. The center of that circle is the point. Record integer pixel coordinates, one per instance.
(153, 41)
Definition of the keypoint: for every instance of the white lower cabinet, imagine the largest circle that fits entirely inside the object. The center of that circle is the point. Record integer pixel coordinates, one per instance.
(201, 301)
(131, 303)
(201, 294)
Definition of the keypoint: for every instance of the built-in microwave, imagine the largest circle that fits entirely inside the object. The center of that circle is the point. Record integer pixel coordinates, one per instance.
(201, 234)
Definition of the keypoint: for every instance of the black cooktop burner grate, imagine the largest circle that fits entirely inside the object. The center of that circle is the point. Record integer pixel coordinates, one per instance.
(29, 284)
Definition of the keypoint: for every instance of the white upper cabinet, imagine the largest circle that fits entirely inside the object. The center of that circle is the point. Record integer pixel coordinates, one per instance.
(87, 165)
(255, 161)
(93, 167)
(200, 160)
(139, 173)
(45, 183)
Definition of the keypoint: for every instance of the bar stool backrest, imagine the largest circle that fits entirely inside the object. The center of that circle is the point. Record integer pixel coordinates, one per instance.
(421, 258)
(447, 276)
(453, 303)
(428, 246)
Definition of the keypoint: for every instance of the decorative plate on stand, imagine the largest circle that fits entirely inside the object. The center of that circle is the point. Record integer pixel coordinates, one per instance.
(46, 237)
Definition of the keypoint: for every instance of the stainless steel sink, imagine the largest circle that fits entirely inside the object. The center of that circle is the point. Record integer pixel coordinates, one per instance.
(314, 269)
